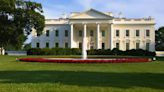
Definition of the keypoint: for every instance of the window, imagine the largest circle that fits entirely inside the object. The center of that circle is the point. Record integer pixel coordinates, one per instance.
(66, 33)
(47, 32)
(147, 32)
(137, 33)
(117, 45)
(80, 33)
(103, 33)
(56, 33)
(91, 47)
(137, 45)
(56, 45)
(37, 34)
(66, 45)
(147, 46)
(47, 45)
(37, 45)
(103, 45)
(117, 33)
(127, 46)
(127, 33)
(80, 45)
(91, 33)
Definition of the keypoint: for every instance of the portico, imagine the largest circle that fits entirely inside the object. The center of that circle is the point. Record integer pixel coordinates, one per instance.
(94, 34)
(90, 36)
(95, 27)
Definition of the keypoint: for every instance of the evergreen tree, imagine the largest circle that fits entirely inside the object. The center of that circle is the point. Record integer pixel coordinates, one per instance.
(159, 39)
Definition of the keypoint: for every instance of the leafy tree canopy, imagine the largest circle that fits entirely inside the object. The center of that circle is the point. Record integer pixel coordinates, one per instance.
(17, 19)
(159, 38)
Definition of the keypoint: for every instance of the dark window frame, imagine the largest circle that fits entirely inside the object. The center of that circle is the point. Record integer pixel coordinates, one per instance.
(66, 44)
(127, 46)
(38, 45)
(80, 33)
(147, 46)
(137, 33)
(103, 33)
(66, 33)
(91, 33)
(47, 33)
(56, 33)
(80, 45)
(118, 45)
(56, 45)
(47, 44)
(137, 45)
(103, 45)
(147, 32)
(127, 33)
(37, 34)
(117, 33)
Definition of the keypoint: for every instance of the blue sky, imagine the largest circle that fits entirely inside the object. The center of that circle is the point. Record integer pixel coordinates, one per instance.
(129, 8)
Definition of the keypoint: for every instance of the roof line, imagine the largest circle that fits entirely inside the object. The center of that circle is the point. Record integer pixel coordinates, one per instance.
(92, 10)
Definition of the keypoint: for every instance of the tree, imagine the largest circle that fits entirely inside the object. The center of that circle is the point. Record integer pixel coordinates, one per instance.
(17, 19)
(159, 39)
(27, 46)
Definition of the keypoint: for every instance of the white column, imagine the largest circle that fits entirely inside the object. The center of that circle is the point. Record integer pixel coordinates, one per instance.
(84, 51)
(0, 51)
(143, 45)
(71, 36)
(3, 51)
(98, 36)
(111, 37)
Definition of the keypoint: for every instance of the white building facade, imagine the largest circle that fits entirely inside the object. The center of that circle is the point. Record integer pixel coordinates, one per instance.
(93, 29)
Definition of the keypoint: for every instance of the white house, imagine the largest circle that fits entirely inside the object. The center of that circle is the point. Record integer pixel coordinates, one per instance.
(93, 29)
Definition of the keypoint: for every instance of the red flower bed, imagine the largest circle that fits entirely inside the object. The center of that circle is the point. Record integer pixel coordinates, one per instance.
(114, 60)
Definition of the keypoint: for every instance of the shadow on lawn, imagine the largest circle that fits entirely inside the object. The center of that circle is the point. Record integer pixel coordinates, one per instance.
(81, 78)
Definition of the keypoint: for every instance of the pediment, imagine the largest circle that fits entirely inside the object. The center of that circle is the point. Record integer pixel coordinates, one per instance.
(91, 14)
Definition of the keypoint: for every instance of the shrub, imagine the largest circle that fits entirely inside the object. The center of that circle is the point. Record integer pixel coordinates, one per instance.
(34, 51)
(116, 51)
(139, 52)
(53, 51)
(75, 51)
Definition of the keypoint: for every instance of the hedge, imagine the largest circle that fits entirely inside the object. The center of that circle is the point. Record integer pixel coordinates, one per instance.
(54, 51)
(115, 51)
(75, 51)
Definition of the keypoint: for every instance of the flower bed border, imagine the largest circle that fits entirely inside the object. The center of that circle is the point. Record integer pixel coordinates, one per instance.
(69, 60)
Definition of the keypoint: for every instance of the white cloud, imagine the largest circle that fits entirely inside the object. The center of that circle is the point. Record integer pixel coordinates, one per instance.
(137, 8)
(129, 8)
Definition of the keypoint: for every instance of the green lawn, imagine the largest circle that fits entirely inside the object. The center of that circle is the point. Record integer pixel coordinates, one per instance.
(18, 76)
